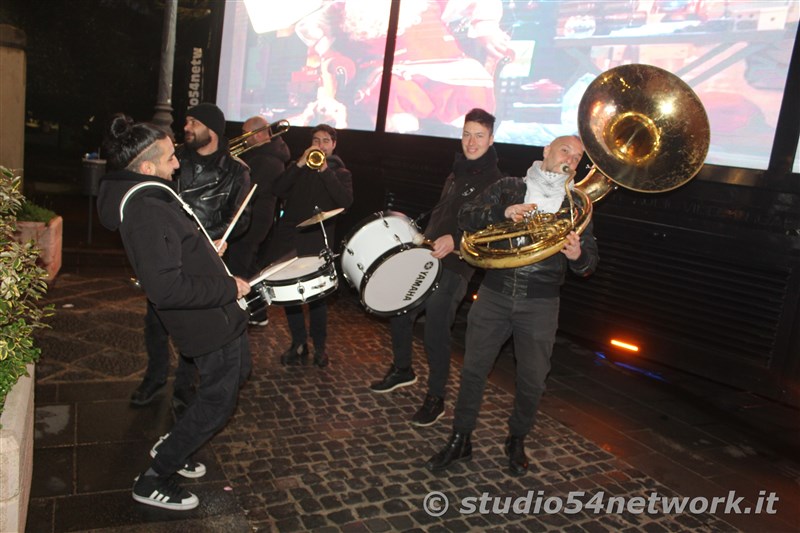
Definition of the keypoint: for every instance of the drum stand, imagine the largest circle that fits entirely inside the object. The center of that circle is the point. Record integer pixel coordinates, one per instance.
(326, 253)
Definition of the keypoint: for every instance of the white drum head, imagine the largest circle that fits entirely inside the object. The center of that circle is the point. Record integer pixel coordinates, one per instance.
(270, 270)
(298, 268)
(401, 281)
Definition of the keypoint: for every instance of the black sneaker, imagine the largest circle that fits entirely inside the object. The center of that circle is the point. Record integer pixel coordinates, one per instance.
(192, 469)
(146, 391)
(164, 493)
(394, 379)
(432, 410)
(258, 317)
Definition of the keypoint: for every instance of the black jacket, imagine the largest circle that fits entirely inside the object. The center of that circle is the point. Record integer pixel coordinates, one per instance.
(539, 280)
(215, 186)
(304, 189)
(267, 162)
(466, 181)
(177, 266)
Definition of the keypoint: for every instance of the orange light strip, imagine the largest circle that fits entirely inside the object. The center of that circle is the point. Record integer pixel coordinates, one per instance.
(624, 345)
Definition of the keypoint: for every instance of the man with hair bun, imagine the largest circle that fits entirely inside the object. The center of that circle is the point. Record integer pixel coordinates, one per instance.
(188, 287)
(214, 183)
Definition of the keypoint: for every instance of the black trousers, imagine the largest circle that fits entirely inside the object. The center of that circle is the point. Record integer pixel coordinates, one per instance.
(156, 340)
(222, 373)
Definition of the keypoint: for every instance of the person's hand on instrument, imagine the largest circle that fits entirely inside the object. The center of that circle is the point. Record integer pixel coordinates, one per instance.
(443, 246)
(572, 246)
(242, 287)
(517, 212)
(221, 247)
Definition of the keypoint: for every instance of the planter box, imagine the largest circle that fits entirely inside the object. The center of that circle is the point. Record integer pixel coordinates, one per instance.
(48, 238)
(16, 454)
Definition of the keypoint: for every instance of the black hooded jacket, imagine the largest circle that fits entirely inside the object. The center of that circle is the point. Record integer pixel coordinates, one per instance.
(177, 266)
(267, 162)
(303, 190)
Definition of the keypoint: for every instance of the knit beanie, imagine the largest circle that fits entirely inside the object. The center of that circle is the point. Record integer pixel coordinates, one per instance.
(210, 115)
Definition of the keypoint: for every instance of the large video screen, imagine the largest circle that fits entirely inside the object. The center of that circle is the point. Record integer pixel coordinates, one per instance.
(528, 62)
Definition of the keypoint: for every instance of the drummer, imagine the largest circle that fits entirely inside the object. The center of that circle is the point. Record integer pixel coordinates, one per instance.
(473, 170)
(305, 192)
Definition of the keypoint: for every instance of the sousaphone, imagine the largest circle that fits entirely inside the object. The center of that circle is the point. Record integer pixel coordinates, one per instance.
(643, 128)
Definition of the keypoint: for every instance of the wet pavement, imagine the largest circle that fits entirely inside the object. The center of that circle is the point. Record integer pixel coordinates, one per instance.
(314, 449)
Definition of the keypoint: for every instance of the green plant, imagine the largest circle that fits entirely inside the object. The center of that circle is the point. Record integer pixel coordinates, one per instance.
(30, 212)
(22, 285)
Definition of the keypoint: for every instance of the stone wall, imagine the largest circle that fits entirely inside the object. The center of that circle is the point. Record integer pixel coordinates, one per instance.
(16, 454)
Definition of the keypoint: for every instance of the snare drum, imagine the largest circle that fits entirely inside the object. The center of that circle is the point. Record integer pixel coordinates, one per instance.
(296, 281)
(380, 260)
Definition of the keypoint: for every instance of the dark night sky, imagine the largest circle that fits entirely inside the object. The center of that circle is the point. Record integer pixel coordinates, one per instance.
(89, 59)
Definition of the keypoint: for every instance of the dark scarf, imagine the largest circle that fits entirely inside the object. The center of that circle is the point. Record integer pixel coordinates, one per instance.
(465, 167)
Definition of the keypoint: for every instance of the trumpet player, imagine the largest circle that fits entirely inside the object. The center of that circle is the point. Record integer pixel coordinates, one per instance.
(304, 190)
(267, 157)
(474, 169)
(522, 301)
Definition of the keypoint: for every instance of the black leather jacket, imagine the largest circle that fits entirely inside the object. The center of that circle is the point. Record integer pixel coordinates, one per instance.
(539, 280)
(214, 186)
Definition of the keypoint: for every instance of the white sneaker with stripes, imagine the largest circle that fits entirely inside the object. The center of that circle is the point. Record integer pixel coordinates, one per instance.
(164, 493)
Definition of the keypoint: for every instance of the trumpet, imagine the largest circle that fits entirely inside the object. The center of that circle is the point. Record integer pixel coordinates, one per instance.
(238, 145)
(315, 159)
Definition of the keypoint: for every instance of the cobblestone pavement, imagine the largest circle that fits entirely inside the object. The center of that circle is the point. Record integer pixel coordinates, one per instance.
(314, 449)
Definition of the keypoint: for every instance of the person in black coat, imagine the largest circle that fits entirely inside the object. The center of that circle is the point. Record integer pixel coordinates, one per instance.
(305, 192)
(474, 169)
(190, 289)
(522, 302)
(214, 183)
(267, 160)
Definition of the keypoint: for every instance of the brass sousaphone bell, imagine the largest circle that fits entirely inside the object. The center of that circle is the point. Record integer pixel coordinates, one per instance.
(643, 128)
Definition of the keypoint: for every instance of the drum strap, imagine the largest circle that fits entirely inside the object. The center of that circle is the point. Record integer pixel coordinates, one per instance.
(186, 207)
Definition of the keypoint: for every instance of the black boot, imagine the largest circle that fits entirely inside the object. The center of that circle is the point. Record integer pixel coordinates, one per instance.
(458, 448)
(321, 358)
(146, 391)
(515, 451)
(296, 355)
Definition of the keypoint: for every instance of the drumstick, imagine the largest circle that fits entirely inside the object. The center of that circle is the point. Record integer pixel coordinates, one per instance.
(267, 272)
(236, 218)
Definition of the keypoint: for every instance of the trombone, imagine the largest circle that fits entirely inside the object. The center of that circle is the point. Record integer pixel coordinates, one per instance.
(239, 145)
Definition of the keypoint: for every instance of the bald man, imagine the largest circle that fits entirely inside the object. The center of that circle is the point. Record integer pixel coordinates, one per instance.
(522, 302)
(267, 161)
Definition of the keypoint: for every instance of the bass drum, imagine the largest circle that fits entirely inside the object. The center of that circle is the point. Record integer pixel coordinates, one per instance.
(380, 260)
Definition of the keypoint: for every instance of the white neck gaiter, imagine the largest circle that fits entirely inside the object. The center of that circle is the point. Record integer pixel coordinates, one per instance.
(545, 189)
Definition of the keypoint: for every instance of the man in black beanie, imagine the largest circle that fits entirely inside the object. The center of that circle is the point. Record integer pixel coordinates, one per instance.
(214, 184)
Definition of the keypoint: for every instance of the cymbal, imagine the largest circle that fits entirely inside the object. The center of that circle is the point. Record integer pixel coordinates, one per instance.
(319, 217)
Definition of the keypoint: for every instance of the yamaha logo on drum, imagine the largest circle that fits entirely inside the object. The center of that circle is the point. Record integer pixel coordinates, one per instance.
(420, 279)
